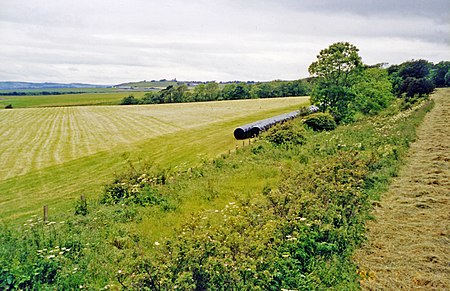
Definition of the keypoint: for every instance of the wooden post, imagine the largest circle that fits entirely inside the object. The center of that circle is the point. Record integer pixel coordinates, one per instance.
(243, 143)
(45, 213)
(82, 198)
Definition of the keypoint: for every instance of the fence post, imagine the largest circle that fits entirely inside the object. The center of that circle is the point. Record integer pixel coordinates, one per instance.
(45, 213)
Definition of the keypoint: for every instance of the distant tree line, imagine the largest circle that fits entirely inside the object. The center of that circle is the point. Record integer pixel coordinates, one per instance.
(212, 91)
(38, 93)
(418, 78)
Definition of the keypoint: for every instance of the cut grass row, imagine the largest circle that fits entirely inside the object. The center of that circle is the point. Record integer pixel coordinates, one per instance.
(190, 133)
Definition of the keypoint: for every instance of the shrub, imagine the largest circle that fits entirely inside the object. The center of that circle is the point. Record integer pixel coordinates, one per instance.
(9, 106)
(286, 133)
(130, 100)
(320, 121)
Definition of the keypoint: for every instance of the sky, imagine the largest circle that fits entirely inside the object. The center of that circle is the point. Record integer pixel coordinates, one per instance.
(112, 41)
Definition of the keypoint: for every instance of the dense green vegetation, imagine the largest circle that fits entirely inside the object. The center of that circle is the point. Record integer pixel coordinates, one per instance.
(417, 78)
(212, 91)
(344, 86)
(273, 215)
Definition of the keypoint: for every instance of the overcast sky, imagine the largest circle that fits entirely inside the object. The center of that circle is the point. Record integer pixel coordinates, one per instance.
(112, 41)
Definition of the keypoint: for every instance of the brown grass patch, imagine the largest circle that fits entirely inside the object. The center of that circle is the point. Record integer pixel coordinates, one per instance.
(408, 243)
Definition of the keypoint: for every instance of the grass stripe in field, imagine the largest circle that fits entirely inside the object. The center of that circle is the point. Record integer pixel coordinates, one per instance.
(182, 136)
(82, 99)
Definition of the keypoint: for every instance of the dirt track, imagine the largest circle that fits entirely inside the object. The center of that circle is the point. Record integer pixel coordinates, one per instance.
(409, 240)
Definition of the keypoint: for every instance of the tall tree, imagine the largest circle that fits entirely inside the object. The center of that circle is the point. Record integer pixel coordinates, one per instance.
(335, 72)
(373, 91)
(439, 71)
(412, 79)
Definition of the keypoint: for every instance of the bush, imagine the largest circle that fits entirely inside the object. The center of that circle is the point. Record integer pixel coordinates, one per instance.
(9, 106)
(286, 133)
(320, 121)
(130, 100)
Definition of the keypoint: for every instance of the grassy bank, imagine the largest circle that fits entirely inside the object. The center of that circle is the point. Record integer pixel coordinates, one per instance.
(273, 215)
(407, 245)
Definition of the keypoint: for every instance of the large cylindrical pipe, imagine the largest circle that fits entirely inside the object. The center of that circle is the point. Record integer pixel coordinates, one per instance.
(253, 129)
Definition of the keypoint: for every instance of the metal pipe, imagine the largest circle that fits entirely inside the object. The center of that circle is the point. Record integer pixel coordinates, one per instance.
(254, 128)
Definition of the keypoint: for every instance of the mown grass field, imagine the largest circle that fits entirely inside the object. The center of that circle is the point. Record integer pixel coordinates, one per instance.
(81, 99)
(53, 155)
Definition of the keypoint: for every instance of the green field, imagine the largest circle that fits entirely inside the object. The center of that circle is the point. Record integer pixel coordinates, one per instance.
(52, 155)
(81, 99)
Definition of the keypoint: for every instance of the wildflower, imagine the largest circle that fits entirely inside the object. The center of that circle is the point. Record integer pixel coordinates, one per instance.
(302, 219)
(50, 257)
(157, 243)
(120, 271)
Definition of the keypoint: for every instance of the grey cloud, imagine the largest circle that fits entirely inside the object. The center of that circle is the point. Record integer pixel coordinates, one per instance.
(436, 9)
(222, 40)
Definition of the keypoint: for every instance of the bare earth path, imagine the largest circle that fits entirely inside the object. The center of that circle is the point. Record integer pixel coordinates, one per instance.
(408, 244)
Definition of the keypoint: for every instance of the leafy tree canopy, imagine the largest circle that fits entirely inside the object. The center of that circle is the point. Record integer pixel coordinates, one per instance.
(335, 72)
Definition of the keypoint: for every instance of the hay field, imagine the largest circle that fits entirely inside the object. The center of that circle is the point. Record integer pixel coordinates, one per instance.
(81, 99)
(409, 240)
(51, 155)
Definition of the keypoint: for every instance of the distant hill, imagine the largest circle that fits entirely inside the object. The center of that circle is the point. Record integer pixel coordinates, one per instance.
(148, 84)
(160, 84)
(11, 85)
